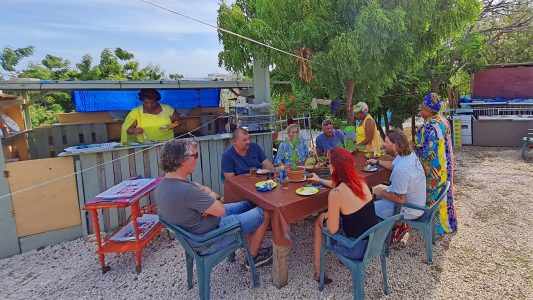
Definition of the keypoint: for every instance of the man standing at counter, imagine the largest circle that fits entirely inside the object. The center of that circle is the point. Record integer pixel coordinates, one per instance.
(243, 155)
(151, 121)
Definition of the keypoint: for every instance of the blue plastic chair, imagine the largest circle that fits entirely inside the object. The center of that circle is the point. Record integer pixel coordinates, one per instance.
(194, 245)
(425, 223)
(377, 236)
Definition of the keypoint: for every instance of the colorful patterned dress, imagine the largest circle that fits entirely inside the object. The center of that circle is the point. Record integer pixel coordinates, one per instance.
(434, 149)
(285, 150)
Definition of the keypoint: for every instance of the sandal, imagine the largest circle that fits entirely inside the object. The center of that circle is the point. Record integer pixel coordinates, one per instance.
(327, 280)
(399, 232)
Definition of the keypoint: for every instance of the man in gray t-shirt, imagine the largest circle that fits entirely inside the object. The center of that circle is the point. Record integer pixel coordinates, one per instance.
(183, 203)
(408, 181)
(197, 209)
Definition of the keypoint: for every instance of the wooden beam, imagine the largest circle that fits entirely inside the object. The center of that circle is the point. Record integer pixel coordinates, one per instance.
(63, 85)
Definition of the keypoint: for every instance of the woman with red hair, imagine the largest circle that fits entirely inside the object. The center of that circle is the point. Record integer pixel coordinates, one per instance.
(350, 208)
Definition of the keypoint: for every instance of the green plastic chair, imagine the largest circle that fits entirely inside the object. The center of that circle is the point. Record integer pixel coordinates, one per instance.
(426, 223)
(349, 133)
(194, 245)
(377, 236)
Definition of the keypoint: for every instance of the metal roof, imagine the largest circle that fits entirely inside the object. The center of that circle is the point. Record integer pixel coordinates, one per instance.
(72, 85)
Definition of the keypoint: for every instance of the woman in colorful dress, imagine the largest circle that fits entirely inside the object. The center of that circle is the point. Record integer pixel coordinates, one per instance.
(434, 148)
(284, 153)
(367, 139)
(150, 121)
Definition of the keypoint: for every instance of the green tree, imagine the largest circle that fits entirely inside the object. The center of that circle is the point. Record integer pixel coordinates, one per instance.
(358, 46)
(10, 58)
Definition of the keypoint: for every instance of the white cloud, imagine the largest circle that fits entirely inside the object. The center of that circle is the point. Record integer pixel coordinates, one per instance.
(72, 28)
(197, 63)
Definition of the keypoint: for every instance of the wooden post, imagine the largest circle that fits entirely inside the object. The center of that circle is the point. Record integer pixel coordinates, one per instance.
(261, 83)
(8, 229)
(26, 108)
(280, 266)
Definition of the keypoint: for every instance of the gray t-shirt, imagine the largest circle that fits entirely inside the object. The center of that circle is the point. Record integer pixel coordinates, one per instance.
(182, 203)
(408, 178)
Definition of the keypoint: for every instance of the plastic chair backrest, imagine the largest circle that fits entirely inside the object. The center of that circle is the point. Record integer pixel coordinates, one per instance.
(191, 242)
(430, 211)
(186, 239)
(349, 133)
(377, 236)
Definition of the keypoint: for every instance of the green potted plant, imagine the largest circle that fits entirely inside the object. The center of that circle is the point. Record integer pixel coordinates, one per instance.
(295, 173)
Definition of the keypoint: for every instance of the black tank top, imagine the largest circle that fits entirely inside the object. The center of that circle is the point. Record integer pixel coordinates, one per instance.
(360, 221)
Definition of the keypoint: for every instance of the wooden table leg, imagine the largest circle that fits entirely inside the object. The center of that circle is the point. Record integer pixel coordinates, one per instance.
(138, 253)
(280, 267)
(96, 227)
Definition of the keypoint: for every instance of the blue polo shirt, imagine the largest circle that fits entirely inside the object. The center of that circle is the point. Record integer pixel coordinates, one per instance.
(232, 162)
(323, 143)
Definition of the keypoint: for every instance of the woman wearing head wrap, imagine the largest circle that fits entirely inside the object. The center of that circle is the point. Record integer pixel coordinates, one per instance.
(150, 121)
(433, 147)
(367, 135)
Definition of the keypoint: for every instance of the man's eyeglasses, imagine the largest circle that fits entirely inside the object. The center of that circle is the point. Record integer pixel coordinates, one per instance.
(195, 155)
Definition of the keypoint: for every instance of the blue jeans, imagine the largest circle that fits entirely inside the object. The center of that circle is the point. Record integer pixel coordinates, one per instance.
(355, 252)
(246, 214)
(384, 208)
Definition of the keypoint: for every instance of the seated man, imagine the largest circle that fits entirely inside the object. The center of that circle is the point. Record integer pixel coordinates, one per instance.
(197, 209)
(408, 181)
(243, 155)
(329, 139)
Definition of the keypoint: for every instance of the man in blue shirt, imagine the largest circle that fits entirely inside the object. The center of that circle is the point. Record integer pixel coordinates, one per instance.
(243, 155)
(329, 139)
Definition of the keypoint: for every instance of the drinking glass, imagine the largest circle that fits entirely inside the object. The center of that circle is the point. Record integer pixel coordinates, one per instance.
(285, 184)
(253, 172)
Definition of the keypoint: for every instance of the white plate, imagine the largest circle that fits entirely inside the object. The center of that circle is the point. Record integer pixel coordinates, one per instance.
(262, 171)
(370, 169)
(306, 191)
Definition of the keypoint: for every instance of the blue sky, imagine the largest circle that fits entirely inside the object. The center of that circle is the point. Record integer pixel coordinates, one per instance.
(72, 28)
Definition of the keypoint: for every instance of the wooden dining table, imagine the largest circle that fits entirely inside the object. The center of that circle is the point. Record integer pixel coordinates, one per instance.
(287, 207)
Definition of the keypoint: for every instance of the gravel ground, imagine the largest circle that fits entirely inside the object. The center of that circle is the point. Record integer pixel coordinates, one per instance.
(490, 257)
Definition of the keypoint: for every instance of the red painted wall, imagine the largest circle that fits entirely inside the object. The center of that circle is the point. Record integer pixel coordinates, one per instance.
(503, 82)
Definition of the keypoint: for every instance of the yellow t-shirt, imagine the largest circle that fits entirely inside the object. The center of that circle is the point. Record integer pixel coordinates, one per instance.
(149, 123)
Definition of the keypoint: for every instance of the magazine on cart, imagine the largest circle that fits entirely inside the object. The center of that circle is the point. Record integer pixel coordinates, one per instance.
(126, 188)
(145, 223)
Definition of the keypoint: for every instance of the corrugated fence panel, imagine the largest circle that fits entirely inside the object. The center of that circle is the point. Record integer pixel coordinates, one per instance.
(205, 163)
(196, 176)
(122, 172)
(91, 186)
(102, 187)
(109, 174)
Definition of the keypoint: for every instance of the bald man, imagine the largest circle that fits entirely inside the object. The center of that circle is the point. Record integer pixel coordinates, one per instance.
(243, 155)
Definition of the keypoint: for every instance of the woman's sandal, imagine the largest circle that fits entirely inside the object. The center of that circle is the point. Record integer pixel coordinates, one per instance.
(399, 232)
(326, 279)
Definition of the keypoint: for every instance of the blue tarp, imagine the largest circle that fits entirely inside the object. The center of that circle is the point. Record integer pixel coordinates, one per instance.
(87, 101)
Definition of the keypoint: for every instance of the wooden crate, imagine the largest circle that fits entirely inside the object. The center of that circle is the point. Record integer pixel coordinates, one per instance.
(45, 142)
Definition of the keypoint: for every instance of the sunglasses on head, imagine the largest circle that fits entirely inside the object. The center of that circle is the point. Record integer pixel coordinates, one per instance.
(195, 155)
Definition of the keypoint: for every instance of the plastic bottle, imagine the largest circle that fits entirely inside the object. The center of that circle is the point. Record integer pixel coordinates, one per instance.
(282, 173)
